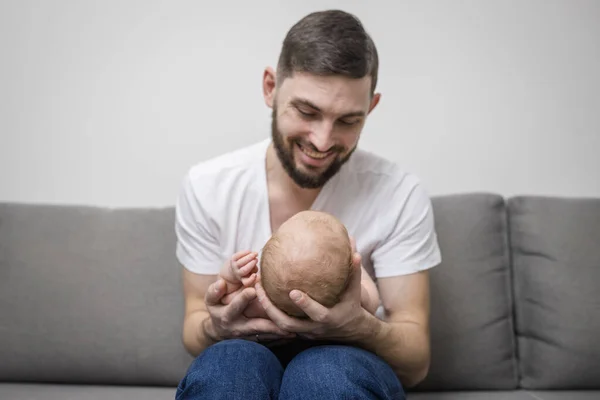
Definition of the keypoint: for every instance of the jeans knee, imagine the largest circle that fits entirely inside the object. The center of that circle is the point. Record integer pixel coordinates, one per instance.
(231, 354)
(341, 372)
(233, 364)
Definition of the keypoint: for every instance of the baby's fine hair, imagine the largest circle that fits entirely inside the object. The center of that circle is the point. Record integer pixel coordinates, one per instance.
(310, 252)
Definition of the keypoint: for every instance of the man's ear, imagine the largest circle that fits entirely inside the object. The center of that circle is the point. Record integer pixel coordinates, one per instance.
(269, 86)
(374, 101)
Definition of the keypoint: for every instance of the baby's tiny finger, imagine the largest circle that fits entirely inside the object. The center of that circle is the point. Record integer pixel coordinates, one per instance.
(245, 260)
(239, 255)
(249, 281)
(246, 269)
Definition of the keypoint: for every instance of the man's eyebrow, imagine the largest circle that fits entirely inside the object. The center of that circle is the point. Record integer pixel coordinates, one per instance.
(297, 102)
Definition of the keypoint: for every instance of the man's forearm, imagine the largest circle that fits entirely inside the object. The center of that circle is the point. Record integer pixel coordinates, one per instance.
(403, 345)
(195, 338)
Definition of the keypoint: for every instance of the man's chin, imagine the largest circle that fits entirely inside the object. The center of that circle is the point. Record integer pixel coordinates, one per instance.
(308, 180)
(313, 174)
(311, 171)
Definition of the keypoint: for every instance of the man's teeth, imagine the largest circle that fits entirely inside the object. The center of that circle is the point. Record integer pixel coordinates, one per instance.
(313, 154)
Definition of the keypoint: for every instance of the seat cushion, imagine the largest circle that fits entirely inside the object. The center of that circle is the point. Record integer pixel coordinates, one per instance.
(556, 257)
(565, 395)
(471, 326)
(90, 295)
(475, 395)
(78, 392)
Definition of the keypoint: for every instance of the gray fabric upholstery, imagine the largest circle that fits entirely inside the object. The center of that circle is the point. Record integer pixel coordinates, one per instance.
(471, 326)
(507, 395)
(476, 395)
(565, 395)
(76, 392)
(79, 392)
(556, 258)
(89, 295)
(93, 295)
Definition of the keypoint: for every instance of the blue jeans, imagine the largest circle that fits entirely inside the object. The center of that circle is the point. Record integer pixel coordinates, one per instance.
(241, 369)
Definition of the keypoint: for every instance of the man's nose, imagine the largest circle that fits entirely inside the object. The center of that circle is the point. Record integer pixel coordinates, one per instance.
(322, 135)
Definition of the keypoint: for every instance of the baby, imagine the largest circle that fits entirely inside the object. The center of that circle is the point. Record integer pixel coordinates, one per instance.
(311, 252)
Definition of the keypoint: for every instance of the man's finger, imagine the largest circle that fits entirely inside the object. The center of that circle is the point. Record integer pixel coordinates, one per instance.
(313, 309)
(229, 297)
(354, 285)
(239, 303)
(265, 328)
(281, 319)
(215, 292)
(266, 337)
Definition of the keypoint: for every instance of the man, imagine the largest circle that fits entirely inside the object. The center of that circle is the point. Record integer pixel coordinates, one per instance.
(321, 94)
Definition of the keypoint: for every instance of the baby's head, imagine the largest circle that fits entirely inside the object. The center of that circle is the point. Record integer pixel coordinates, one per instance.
(310, 252)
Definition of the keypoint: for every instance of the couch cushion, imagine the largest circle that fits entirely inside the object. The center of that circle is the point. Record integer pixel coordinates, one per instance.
(89, 295)
(76, 392)
(476, 395)
(565, 395)
(471, 326)
(556, 258)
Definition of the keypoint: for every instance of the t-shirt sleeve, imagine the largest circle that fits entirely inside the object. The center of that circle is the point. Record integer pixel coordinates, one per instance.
(197, 247)
(411, 243)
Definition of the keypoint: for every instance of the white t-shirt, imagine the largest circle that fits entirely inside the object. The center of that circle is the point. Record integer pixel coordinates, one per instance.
(223, 208)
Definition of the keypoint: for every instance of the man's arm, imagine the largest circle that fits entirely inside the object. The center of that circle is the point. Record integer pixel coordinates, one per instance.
(402, 339)
(406, 254)
(195, 286)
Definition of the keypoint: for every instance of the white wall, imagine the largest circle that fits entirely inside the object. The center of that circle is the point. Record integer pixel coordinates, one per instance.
(109, 102)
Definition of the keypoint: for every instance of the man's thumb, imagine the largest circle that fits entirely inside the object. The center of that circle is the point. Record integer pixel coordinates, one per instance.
(215, 292)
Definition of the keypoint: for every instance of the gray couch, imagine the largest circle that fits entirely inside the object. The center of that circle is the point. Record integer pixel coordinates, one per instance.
(91, 306)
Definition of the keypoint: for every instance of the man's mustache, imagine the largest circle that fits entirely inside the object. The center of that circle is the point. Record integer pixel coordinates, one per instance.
(310, 146)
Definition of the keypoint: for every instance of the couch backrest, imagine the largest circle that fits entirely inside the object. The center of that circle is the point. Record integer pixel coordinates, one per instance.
(555, 245)
(89, 295)
(93, 295)
(471, 301)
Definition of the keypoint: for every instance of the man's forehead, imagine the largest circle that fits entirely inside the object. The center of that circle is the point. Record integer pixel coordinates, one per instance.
(334, 93)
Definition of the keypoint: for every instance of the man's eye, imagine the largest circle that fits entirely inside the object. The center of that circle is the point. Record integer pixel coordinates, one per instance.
(306, 113)
(349, 122)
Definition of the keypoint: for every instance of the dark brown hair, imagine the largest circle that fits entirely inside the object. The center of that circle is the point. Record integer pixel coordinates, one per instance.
(329, 42)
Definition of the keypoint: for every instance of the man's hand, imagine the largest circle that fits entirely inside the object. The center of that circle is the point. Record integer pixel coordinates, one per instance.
(344, 321)
(228, 321)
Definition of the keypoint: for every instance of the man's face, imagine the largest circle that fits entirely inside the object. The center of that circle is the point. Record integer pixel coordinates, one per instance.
(316, 124)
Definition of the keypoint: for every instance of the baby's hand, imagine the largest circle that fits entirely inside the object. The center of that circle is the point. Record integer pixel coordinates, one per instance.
(241, 271)
(243, 267)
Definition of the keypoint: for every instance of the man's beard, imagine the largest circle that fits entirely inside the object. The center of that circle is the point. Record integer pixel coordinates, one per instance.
(285, 153)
